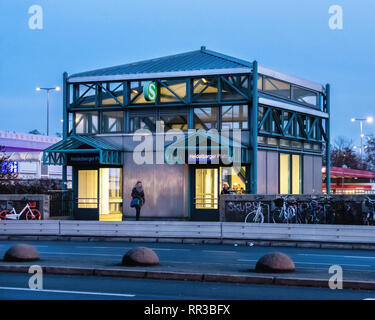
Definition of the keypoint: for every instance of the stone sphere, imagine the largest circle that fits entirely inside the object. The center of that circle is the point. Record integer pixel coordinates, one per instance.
(21, 252)
(140, 256)
(275, 262)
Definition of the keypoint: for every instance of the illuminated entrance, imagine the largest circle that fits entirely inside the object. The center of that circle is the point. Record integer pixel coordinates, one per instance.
(99, 194)
(207, 183)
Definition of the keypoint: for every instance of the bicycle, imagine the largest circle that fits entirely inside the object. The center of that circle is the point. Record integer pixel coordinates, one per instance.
(315, 213)
(31, 213)
(284, 213)
(369, 217)
(256, 215)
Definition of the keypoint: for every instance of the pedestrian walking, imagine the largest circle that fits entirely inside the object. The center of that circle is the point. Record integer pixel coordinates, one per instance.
(138, 198)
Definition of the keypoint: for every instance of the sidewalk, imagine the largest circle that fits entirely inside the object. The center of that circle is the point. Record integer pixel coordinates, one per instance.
(185, 267)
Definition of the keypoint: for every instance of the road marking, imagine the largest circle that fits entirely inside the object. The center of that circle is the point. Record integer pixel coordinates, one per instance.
(335, 256)
(128, 248)
(84, 254)
(218, 251)
(71, 292)
(317, 263)
(103, 248)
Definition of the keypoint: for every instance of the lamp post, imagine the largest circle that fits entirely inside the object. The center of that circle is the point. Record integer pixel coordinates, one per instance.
(48, 90)
(368, 120)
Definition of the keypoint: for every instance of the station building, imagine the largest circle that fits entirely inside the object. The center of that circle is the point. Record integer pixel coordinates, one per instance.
(279, 122)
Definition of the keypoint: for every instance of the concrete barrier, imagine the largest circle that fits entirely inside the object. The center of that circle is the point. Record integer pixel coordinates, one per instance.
(29, 227)
(188, 230)
(164, 229)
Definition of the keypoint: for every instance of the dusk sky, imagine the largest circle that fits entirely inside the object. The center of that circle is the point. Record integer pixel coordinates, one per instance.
(290, 36)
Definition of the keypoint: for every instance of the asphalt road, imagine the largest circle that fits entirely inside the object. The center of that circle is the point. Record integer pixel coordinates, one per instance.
(14, 286)
(358, 264)
(221, 258)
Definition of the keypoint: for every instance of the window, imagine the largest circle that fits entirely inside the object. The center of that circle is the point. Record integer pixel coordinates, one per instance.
(234, 117)
(206, 188)
(260, 83)
(304, 96)
(276, 87)
(296, 174)
(142, 120)
(88, 189)
(136, 92)
(290, 174)
(205, 89)
(86, 122)
(205, 118)
(229, 84)
(235, 181)
(110, 192)
(284, 173)
(170, 90)
(174, 119)
(112, 121)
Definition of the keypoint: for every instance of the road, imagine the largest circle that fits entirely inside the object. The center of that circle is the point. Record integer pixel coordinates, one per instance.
(15, 286)
(222, 258)
(356, 264)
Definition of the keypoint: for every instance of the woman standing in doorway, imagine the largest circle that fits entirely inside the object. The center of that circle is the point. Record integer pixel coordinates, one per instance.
(138, 193)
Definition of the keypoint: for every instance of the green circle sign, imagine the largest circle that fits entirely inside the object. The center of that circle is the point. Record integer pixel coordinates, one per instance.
(149, 91)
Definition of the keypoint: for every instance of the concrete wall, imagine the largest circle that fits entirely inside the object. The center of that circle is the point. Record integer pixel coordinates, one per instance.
(165, 187)
(312, 174)
(268, 172)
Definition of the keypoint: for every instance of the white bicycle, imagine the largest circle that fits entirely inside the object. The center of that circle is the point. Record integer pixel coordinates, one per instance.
(31, 213)
(256, 215)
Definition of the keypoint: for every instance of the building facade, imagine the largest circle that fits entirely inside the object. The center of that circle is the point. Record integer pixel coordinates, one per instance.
(274, 125)
(25, 150)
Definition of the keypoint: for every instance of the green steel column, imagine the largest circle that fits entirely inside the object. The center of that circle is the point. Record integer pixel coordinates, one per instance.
(65, 134)
(328, 143)
(254, 131)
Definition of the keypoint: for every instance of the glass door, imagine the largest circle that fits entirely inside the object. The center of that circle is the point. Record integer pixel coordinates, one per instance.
(205, 194)
(87, 205)
(110, 194)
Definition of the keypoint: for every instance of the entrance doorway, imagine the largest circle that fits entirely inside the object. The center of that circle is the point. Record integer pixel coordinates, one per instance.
(99, 194)
(206, 185)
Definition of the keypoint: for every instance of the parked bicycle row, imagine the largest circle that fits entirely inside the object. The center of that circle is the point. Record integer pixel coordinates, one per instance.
(324, 210)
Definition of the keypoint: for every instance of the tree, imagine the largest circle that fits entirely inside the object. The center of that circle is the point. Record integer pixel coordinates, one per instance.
(5, 174)
(343, 155)
(370, 152)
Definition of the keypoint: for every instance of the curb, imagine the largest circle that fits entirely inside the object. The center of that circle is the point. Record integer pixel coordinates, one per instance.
(237, 242)
(185, 276)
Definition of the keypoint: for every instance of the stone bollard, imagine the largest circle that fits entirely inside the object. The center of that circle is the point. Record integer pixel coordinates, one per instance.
(21, 252)
(140, 256)
(275, 262)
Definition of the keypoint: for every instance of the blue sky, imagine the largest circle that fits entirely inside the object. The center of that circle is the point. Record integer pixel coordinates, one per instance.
(284, 35)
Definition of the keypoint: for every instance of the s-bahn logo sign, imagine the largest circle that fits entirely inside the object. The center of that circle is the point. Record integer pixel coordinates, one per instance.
(149, 91)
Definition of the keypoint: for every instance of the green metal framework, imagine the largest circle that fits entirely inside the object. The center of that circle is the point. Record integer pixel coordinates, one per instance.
(57, 153)
(210, 90)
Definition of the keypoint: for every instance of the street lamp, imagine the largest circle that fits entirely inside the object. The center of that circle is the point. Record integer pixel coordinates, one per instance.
(368, 120)
(48, 90)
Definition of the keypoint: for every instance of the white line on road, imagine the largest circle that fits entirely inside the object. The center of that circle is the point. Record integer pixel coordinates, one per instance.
(335, 256)
(219, 251)
(128, 248)
(317, 263)
(71, 292)
(84, 254)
